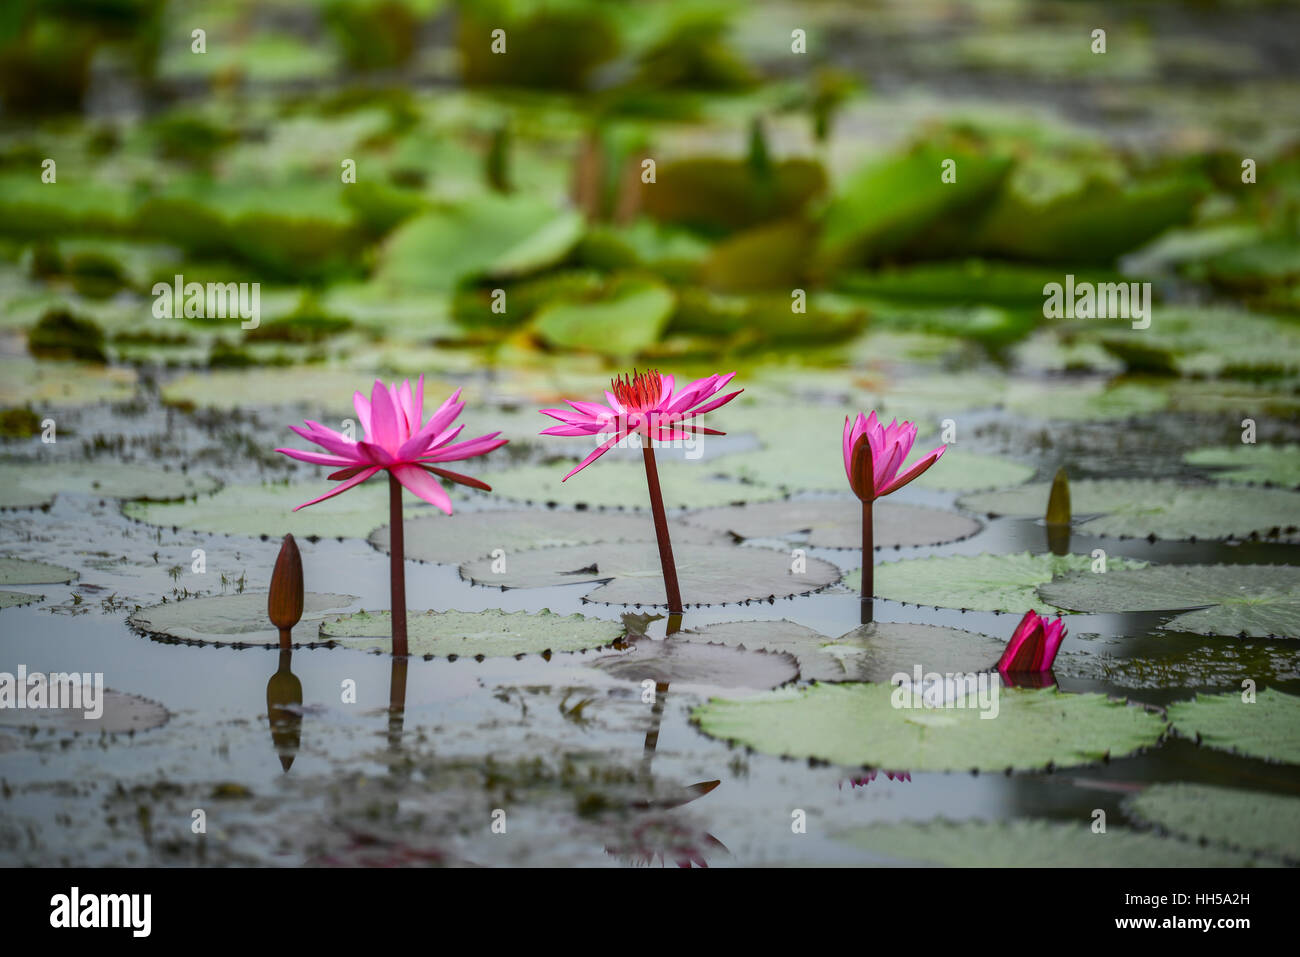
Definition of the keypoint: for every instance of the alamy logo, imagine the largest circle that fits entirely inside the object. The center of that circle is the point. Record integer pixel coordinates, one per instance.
(933, 690)
(66, 690)
(216, 300)
(134, 911)
(664, 431)
(1105, 300)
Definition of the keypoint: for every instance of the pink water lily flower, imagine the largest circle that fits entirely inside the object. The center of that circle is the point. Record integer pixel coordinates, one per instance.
(645, 403)
(399, 440)
(889, 446)
(1033, 645)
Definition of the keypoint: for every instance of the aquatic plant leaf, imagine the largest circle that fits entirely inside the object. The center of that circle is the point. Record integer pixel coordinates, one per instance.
(325, 390)
(874, 652)
(28, 485)
(1085, 401)
(232, 619)
(1030, 843)
(42, 382)
(673, 662)
(123, 714)
(11, 599)
(1267, 824)
(1252, 601)
(1139, 507)
(859, 725)
(489, 634)
(466, 535)
(20, 571)
(630, 317)
(615, 484)
(978, 582)
(1263, 728)
(1268, 464)
(837, 523)
(630, 573)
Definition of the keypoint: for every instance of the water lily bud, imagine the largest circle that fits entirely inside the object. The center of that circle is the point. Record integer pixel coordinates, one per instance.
(284, 603)
(1058, 503)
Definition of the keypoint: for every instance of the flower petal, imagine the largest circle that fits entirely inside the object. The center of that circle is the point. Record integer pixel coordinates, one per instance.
(421, 483)
(343, 487)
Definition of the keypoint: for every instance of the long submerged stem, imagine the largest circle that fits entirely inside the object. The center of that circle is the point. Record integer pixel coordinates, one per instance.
(397, 565)
(661, 532)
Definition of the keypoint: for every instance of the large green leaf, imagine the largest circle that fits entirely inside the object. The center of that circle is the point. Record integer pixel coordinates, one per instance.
(26, 485)
(1252, 601)
(40, 382)
(1260, 728)
(1139, 507)
(837, 523)
(1270, 464)
(240, 620)
(477, 634)
(860, 724)
(610, 483)
(977, 582)
(1249, 820)
(122, 714)
(677, 662)
(21, 571)
(631, 317)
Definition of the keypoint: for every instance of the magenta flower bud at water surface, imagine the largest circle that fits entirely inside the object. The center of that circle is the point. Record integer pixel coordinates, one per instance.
(1033, 645)
(398, 440)
(646, 404)
(876, 474)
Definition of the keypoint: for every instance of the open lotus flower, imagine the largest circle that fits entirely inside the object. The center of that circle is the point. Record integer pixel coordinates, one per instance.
(399, 441)
(873, 454)
(875, 475)
(645, 403)
(1033, 645)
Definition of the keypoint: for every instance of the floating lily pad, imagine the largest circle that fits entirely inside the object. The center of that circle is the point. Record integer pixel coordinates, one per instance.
(122, 713)
(1270, 464)
(61, 383)
(1253, 601)
(837, 523)
(267, 510)
(466, 535)
(488, 634)
(674, 661)
(859, 724)
(629, 318)
(1128, 507)
(1085, 402)
(1249, 820)
(1030, 843)
(630, 574)
(12, 599)
(232, 619)
(29, 485)
(1264, 728)
(970, 471)
(314, 388)
(874, 652)
(20, 571)
(621, 484)
(977, 582)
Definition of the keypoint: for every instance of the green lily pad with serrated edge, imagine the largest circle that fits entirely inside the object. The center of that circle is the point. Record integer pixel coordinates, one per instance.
(1263, 728)
(13, 599)
(631, 573)
(32, 485)
(859, 724)
(977, 582)
(241, 620)
(676, 662)
(1266, 824)
(1137, 508)
(837, 523)
(1031, 843)
(487, 634)
(1268, 464)
(614, 484)
(466, 535)
(122, 713)
(20, 571)
(1253, 601)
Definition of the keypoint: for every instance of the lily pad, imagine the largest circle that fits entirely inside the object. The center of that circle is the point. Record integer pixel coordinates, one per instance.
(837, 523)
(1252, 601)
(122, 713)
(631, 317)
(1094, 401)
(1131, 507)
(630, 574)
(858, 724)
(12, 599)
(1031, 843)
(1248, 820)
(267, 510)
(977, 582)
(32, 485)
(239, 620)
(319, 389)
(1267, 464)
(615, 484)
(874, 652)
(1263, 728)
(20, 571)
(62, 383)
(481, 634)
(466, 535)
(673, 661)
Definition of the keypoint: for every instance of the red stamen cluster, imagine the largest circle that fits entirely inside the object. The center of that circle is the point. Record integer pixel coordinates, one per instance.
(640, 391)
